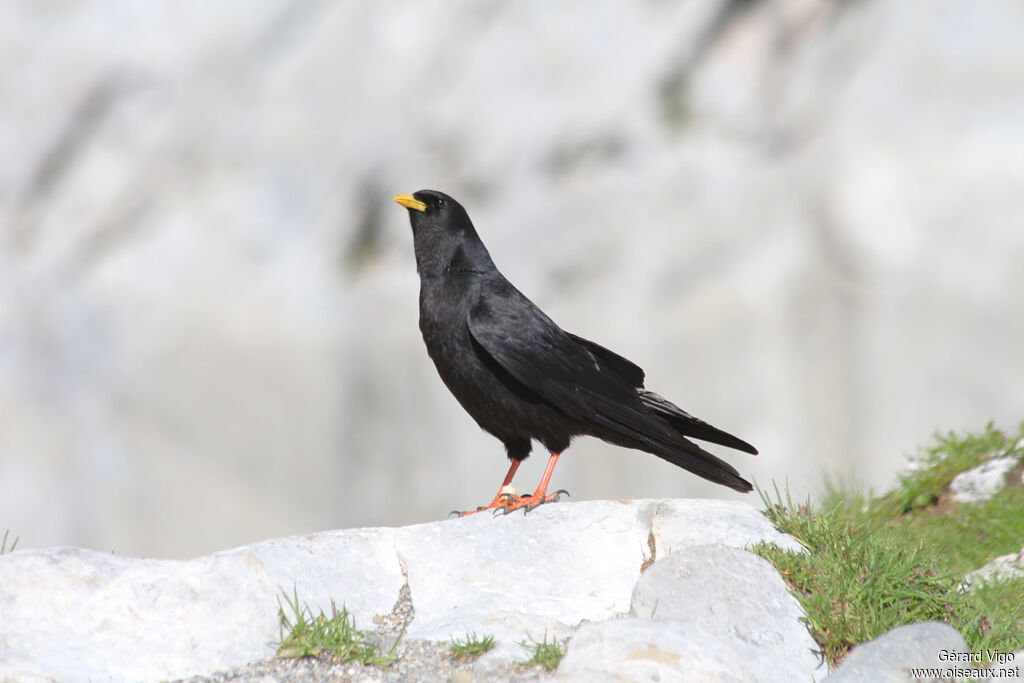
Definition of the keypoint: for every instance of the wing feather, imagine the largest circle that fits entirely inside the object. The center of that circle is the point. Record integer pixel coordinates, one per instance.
(588, 383)
(549, 361)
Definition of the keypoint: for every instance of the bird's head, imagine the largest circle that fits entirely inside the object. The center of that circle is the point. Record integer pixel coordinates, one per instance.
(433, 207)
(443, 235)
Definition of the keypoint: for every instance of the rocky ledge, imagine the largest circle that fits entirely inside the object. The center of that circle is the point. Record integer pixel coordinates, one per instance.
(639, 589)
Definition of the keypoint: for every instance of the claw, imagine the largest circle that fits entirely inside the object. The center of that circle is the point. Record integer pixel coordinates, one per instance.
(508, 500)
(507, 503)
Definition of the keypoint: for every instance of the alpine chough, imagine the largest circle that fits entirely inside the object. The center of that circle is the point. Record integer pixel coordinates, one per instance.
(523, 378)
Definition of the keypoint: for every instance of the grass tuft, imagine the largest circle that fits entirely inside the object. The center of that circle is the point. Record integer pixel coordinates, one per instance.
(877, 563)
(932, 470)
(471, 646)
(306, 635)
(856, 583)
(3, 543)
(546, 655)
(651, 555)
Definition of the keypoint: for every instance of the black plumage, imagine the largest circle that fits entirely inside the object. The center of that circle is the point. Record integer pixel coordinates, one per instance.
(522, 377)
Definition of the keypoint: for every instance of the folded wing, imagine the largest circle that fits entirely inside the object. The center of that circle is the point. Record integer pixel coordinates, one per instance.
(592, 384)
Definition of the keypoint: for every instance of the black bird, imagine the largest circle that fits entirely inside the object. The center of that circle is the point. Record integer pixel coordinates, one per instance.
(523, 378)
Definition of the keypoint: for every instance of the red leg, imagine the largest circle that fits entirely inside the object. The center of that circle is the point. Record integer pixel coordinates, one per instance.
(542, 487)
(541, 495)
(511, 473)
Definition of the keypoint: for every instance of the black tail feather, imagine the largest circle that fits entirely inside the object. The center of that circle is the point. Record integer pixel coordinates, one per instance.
(688, 425)
(683, 453)
(704, 465)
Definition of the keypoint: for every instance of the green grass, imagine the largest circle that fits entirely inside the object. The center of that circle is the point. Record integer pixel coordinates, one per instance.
(471, 646)
(546, 654)
(951, 454)
(3, 543)
(967, 536)
(306, 635)
(877, 563)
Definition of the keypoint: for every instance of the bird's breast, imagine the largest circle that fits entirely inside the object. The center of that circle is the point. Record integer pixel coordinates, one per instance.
(444, 315)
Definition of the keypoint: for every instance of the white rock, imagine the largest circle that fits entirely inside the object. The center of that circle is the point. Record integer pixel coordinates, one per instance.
(1012, 664)
(1002, 568)
(515, 575)
(83, 615)
(733, 603)
(504, 653)
(651, 650)
(356, 568)
(982, 482)
(887, 658)
(680, 523)
(80, 615)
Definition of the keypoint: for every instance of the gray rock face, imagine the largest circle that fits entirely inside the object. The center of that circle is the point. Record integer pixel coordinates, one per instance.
(506, 577)
(730, 607)
(738, 604)
(887, 659)
(682, 523)
(79, 615)
(1012, 667)
(650, 650)
(357, 568)
(1002, 568)
(207, 298)
(982, 482)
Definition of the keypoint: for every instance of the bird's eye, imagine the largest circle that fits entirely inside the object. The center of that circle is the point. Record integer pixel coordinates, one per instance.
(441, 202)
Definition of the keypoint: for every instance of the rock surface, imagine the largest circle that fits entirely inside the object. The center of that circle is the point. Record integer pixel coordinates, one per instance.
(1010, 667)
(562, 571)
(1002, 568)
(509, 578)
(683, 522)
(650, 650)
(735, 608)
(78, 615)
(208, 299)
(984, 481)
(708, 612)
(888, 658)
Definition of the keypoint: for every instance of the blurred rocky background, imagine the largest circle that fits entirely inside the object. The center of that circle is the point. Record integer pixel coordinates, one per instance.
(803, 218)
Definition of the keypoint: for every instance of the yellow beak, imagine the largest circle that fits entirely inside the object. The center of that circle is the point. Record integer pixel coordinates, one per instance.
(410, 202)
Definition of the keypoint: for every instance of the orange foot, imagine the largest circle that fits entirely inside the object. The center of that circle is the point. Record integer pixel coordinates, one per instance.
(527, 503)
(507, 500)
